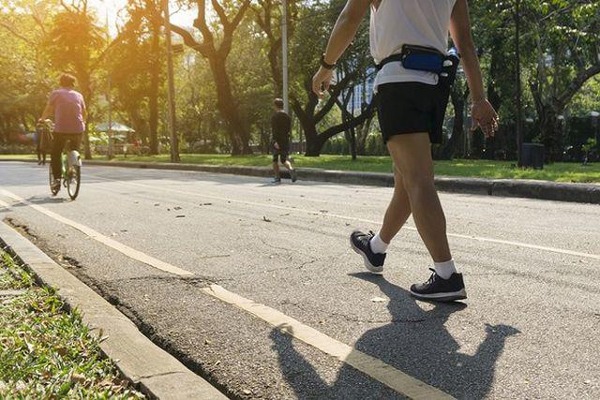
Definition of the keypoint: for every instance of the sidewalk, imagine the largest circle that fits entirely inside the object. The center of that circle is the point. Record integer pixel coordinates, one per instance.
(152, 370)
(543, 190)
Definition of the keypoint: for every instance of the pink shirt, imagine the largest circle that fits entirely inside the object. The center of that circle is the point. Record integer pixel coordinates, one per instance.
(68, 110)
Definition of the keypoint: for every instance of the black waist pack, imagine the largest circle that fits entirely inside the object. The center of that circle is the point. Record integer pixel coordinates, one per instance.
(419, 58)
(428, 59)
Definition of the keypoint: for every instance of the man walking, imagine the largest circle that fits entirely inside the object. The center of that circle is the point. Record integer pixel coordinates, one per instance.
(409, 41)
(67, 107)
(280, 126)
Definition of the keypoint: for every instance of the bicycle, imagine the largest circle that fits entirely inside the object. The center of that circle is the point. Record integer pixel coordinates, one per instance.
(70, 174)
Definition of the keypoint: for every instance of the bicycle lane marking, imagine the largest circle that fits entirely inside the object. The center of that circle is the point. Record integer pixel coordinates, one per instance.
(355, 219)
(371, 366)
(126, 250)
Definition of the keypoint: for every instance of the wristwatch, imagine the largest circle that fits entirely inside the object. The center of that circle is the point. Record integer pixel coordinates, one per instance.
(324, 63)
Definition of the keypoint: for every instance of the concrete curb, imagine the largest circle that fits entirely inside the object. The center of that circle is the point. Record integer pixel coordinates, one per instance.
(542, 190)
(154, 371)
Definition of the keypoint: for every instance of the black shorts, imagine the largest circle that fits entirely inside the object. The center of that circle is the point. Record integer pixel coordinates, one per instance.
(281, 155)
(411, 107)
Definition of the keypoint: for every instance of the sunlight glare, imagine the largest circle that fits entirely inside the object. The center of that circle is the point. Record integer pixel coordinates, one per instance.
(108, 10)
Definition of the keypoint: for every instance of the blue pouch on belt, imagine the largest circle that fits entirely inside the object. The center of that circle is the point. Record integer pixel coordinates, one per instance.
(422, 58)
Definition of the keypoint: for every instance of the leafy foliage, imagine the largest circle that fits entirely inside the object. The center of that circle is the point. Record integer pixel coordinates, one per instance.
(231, 68)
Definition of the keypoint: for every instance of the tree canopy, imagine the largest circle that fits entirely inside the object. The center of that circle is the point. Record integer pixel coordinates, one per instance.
(228, 69)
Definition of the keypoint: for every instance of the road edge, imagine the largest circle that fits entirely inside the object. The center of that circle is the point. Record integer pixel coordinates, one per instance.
(522, 188)
(151, 369)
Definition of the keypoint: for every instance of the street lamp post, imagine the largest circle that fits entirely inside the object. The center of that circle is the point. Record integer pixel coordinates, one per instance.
(110, 153)
(284, 55)
(171, 85)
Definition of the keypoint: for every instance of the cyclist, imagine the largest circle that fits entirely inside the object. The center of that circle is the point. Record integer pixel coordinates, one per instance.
(67, 107)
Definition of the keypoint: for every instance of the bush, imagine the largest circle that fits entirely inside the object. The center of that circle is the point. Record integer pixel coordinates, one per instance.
(15, 148)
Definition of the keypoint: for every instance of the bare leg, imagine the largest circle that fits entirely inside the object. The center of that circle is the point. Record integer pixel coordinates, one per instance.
(411, 154)
(288, 165)
(398, 210)
(276, 169)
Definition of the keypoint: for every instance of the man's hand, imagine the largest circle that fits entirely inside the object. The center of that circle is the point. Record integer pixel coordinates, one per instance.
(276, 145)
(485, 117)
(321, 81)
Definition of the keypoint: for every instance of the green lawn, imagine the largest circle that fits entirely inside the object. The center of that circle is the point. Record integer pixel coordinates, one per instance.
(47, 352)
(557, 172)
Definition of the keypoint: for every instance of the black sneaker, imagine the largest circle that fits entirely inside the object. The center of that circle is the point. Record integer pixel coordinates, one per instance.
(276, 180)
(293, 175)
(360, 243)
(438, 289)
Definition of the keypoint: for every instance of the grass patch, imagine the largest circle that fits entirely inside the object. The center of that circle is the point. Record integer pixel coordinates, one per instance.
(555, 172)
(48, 353)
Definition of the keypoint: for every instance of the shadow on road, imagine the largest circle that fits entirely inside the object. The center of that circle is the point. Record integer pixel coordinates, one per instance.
(43, 200)
(415, 342)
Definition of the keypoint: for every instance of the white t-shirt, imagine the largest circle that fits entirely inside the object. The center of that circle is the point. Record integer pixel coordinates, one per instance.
(398, 22)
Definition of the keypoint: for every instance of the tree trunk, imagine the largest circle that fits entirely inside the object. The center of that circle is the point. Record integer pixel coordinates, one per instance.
(309, 118)
(217, 56)
(227, 106)
(551, 132)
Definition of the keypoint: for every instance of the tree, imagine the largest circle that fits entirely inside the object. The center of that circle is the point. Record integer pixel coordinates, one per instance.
(75, 43)
(135, 63)
(565, 35)
(268, 15)
(215, 47)
(312, 31)
(25, 72)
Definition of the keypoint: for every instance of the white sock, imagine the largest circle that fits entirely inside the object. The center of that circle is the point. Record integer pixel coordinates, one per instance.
(378, 245)
(445, 269)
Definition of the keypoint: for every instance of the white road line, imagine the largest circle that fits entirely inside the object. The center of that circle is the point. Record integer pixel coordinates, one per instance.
(350, 218)
(371, 366)
(126, 250)
(374, 367)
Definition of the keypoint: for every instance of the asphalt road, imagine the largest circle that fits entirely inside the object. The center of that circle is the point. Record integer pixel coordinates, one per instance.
(254, 286)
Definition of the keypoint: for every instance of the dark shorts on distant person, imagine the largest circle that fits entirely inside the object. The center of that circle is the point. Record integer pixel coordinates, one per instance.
(411, 107)
(281, 155)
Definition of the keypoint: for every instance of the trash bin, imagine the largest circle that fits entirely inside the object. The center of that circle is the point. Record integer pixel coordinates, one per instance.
(532, 155)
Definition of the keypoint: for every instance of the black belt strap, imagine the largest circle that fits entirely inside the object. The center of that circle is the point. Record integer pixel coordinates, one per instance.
(392, 58)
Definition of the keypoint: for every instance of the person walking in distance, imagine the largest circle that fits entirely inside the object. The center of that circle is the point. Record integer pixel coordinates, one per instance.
(409, 42)
(280, 126)
(41, 152)
(67, 107)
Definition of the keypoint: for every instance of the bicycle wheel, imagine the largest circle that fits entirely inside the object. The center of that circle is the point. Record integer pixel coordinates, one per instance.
(53, 189)
(73, 181)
